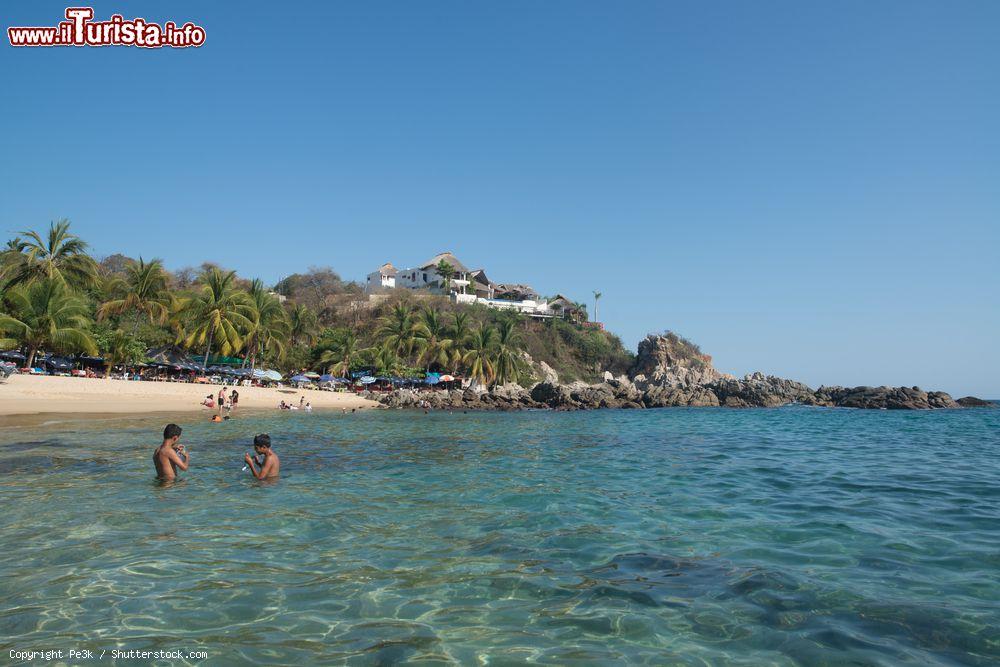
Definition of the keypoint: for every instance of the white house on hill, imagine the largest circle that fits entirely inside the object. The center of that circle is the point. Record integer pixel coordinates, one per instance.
(469, 286)
(381, 279)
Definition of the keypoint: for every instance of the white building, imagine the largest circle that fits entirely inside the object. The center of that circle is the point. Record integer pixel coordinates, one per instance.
(381, 279)
(467, 286)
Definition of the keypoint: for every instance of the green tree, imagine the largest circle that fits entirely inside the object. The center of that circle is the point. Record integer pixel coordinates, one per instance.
(432, 339)
(142, 292)
(118, 347)
(597, 297)
(460, 332)
(45, 316)
(343, 348)
(479, 354)
(398, 330)
(269, 326)
(217, 314)
(303, 323)
(447, 272)
(508, 361)
(59, 256)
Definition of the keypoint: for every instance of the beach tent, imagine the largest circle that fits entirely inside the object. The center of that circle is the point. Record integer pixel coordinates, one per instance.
(59, 364)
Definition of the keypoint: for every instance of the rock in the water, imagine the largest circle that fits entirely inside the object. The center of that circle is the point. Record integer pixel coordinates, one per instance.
(973, 402)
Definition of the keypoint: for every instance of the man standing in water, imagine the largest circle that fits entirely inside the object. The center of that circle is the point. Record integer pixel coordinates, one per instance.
(170, 456)
(266, 466)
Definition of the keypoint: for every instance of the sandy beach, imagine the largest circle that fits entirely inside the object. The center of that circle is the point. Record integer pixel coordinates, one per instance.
(27, 394)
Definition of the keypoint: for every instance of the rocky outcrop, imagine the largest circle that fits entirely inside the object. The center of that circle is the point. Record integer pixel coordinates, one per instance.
(760, 391)
(672, 372)
(671, 360)
(973, 402)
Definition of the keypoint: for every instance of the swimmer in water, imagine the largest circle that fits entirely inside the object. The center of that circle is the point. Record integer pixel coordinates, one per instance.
(170, 456)
(269, 465)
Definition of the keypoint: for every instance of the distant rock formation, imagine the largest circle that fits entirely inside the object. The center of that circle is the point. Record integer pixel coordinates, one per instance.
(670, 371)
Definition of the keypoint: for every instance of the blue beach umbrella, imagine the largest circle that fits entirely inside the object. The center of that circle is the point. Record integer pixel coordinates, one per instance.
(299, 378)
(431, 379)
(326, 378)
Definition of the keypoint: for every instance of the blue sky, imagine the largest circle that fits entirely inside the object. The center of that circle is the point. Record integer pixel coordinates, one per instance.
(808, 189)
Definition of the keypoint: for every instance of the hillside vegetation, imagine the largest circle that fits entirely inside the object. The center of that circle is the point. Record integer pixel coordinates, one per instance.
(57, 298)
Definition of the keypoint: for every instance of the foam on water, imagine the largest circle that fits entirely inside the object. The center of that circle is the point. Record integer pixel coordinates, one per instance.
(702, 536)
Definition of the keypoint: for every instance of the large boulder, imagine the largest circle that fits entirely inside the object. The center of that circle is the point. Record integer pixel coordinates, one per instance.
(973, 402)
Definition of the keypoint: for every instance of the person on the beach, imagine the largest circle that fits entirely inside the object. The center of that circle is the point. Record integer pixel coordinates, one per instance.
(170, 456)
(234, 398)
(302, 399)
(217, 418)
(269, 465)
(222, 399)
(309, 407)
(208, 402)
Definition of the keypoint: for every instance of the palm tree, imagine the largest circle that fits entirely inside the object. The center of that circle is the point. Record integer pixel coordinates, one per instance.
(387, 362)
(432, 339)
(478, 357)
(45, 315)
(269, 327)
(144, 292)
(461, 330)
(345, 347)
(218, 312)
(303, 323)
(597, 297)
(398, 330)
(508, 352)
(59, 256)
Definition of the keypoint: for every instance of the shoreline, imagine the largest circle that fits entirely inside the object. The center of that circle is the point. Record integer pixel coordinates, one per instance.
(33, 395)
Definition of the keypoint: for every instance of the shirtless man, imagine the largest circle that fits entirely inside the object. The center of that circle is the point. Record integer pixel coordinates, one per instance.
(269, 465)
(170, 456)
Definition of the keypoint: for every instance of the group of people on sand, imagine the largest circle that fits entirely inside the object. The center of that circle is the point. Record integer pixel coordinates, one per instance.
(171, 456)
(303, 405)
(211, 402)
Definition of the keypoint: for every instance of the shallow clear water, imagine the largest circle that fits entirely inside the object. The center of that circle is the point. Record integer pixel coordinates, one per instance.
(702, 536)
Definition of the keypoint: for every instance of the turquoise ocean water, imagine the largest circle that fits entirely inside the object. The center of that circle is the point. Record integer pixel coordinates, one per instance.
(681, 536)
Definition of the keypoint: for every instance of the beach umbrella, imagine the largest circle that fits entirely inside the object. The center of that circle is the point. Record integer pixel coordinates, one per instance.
(447, 378)
(298, 378)
(312, 376)
(272, 375)
(431, 379)
(326, 378)
(12, 355)
(367, 379)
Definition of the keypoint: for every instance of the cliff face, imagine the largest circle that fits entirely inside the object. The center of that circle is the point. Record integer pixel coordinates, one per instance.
(669, 359)
(670, 371)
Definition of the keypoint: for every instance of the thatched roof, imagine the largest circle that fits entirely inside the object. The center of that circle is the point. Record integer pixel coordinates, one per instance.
(479, 276)
(446, 257)
(568, 304)
(518, 290)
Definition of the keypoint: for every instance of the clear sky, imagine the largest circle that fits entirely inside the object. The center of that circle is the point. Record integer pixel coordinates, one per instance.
(809, 189)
